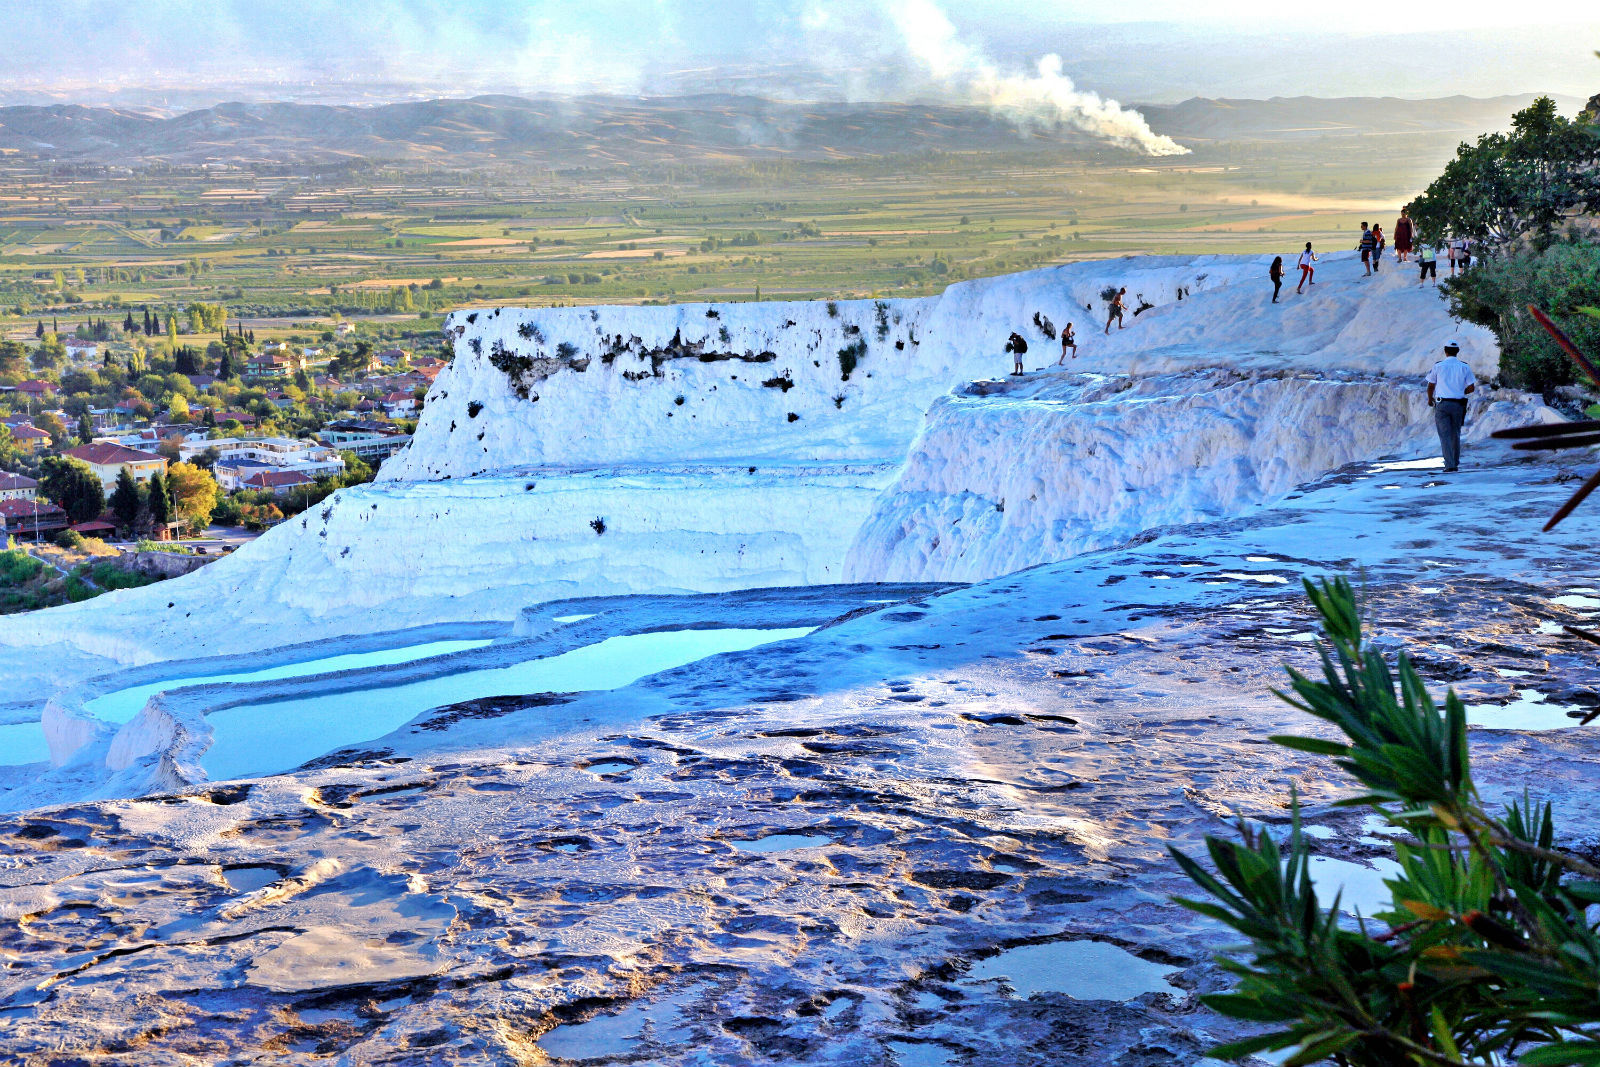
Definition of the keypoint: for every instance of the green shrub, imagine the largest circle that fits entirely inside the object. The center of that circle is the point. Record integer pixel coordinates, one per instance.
(110, 576)
(17, 567)
(1560, 281)
(69, 539)
(1490, 945)
(176, 549)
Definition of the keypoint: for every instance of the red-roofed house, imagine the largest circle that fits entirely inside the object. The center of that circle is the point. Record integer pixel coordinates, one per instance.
(36, 388)
(29, 438)
(280, 482)
(399, 404)
(107, 460)
(31, 518)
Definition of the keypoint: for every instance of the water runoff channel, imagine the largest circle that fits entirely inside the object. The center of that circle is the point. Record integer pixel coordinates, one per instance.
(272, 736)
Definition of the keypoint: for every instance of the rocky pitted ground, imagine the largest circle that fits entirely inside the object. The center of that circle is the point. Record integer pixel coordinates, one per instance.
(961, 801)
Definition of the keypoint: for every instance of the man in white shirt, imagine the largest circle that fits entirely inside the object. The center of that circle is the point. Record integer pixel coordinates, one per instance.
(1449, 382)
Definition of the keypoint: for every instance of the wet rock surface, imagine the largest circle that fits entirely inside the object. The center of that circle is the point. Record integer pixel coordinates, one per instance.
(888, 843)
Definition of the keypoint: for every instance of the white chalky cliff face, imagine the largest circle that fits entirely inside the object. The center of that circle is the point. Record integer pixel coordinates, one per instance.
(699, 448)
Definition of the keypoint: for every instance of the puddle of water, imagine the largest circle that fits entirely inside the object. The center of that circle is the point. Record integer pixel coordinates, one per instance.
(1529, 711)
(782, 842)
(1083, 970)
(1411, 465)
(1361, 886)
(249, 879)
(920, 1054)
(1510, 673)
(124, 704)
(1576, 600)
(259, 739)
(1262, 559)
(1389, 487)
(609, 1036)
(572, 618)
(610, 766)
(21, 743)
(1548, 627)
(1264, 579)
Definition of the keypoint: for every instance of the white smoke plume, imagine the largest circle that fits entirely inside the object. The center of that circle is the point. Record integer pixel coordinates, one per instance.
(1041, 99)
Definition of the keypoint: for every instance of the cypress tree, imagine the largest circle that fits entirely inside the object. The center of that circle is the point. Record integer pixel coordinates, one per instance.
(159, 501)
(125, 502)
(38, 329)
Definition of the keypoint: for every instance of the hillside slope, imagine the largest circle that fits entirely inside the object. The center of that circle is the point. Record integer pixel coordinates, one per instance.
(580, 451)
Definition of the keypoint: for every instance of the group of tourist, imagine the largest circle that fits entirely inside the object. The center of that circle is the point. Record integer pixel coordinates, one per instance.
(1372, 244)
(1449, 382)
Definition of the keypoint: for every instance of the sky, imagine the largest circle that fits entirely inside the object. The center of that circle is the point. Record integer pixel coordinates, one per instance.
(1153, 51)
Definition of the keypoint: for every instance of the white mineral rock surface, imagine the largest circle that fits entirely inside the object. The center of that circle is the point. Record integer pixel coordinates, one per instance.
(930, 831)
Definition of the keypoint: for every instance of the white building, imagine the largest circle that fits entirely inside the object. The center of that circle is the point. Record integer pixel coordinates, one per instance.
(17, 487)
(242, 458)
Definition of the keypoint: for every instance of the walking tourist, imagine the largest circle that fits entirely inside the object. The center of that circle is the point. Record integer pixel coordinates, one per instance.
(1275, 272)
(1308, 267)
(1365, 246)
(1428, 256)
(1449, 382)
(1069, 339)
(1405, 232)
(1119, 304)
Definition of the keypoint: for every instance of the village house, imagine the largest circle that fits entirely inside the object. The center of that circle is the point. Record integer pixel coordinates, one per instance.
(80, 351)
(31, 519)
(237, 461)
(399, 405)
(29, 438)
(370, 441)
(107, 460)
(17, 487)
(35, 389)
(279, 483)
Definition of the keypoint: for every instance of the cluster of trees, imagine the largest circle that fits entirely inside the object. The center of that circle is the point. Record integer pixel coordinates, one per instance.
(1527, 200)
(187, 492)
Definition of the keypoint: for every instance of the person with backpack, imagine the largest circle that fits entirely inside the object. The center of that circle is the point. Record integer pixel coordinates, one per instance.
(1016, 344)
(1405, 233)
(1118, 305)
(1378, 245)
(1365, 246)
(1275, 272)
(1069, 339)
(1308, 267)
(1428, 256)
(1463, 247)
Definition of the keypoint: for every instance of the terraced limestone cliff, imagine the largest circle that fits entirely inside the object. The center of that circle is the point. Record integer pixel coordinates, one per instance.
(701, 448)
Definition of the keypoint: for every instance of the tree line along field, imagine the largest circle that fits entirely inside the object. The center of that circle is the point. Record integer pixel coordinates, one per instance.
(404, 245)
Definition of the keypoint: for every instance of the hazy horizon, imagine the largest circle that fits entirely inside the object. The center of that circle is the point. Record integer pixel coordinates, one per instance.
(181, 55)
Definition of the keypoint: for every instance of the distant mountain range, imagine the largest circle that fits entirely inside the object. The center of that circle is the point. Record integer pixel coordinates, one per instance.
(603, 131)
